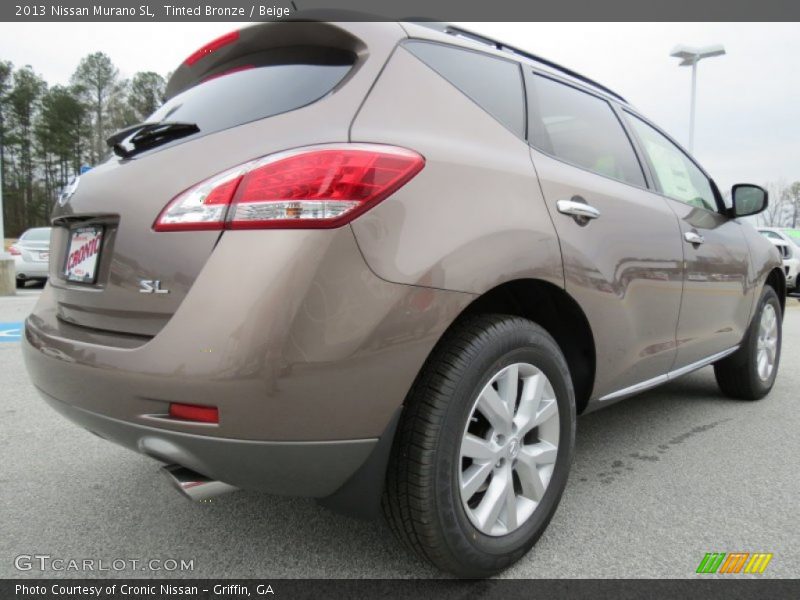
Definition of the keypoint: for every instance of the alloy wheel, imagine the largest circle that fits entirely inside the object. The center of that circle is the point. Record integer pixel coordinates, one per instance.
(509, 448)
(767, 344)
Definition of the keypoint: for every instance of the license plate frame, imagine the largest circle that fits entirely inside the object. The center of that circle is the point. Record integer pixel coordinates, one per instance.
(80, 265)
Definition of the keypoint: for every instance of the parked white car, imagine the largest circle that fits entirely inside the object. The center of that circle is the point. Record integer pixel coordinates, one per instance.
(790, 254)
(32, 255)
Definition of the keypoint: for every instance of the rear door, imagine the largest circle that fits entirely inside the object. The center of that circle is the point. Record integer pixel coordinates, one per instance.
(717, 299)
(622, 260)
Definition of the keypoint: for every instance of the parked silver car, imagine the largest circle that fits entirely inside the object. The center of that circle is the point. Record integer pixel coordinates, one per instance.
(32, 255)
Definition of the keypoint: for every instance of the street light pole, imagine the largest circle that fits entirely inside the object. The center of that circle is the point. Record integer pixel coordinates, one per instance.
(690, 57)
(3, 253)
(691, 107)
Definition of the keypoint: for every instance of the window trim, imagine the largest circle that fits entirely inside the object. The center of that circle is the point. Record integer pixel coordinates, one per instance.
(533, 72)
(523, 135)
(656, 188)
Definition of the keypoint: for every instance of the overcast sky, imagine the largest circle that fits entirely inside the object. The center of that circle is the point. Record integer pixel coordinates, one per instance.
(748, 106)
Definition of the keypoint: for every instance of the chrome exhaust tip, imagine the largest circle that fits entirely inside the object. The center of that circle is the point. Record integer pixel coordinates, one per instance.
(193, 485)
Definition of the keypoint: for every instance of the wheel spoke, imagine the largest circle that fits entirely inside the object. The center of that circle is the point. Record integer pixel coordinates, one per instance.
(474, 477)
(529, 477)
(541, 453)
(770, 348)
(532, 392)
(477, 448)
(507, 387)
(511, 503)
(494, 409)
(489, 509)
(762, 365)
(547, 410)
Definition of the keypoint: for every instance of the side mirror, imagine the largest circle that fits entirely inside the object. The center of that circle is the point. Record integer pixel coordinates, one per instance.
(748, 199)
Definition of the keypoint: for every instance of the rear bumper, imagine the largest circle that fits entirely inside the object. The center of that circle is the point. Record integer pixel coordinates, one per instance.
(312, 469)
(306, 353)
(28, 269)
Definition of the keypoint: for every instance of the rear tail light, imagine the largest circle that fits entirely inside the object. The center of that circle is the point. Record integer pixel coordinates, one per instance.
(317, 187)
(14, 251)
(191, 412)
(211, 47)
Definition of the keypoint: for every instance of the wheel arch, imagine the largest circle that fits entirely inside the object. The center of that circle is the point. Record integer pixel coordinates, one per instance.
(539, 301)
(776, 279)
(559, 314)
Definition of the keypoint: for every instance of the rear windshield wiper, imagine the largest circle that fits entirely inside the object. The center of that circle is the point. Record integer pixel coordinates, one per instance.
(148, 135)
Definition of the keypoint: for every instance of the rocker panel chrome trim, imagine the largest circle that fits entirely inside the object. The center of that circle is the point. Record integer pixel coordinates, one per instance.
(650, 383)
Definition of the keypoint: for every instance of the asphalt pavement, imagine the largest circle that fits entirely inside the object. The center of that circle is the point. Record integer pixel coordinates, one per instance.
(658, 481)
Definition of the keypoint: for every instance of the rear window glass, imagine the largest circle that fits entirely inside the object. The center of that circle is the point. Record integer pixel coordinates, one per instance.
(258, 86)
(36, 235)
(581, 129)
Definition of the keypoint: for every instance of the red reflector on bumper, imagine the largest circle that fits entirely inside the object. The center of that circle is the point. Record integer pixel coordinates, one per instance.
(190, 412)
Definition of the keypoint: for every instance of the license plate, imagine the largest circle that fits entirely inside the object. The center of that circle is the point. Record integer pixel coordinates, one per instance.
(83, 253)
(44, 256)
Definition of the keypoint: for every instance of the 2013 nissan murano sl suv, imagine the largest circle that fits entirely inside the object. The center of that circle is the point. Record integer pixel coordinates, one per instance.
(386, 265)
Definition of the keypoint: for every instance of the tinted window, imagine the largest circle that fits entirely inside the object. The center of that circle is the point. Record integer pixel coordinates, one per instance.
(676, 175)
(581, 129)
(285, 79)
(36, 235)
(492, 83)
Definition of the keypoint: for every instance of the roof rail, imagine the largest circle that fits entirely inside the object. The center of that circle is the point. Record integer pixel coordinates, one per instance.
(477, 37)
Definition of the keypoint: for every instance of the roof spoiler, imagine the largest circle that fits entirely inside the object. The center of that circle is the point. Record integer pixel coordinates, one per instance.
(234, 49)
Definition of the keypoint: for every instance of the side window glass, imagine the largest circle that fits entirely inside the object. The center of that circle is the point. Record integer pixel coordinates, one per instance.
(676, 175)
(492, 83)
(581, 129)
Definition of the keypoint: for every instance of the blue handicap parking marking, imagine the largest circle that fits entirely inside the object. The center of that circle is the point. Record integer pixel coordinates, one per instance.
(10, 332)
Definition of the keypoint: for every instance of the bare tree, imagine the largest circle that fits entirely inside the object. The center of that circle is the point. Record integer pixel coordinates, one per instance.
(97, 80)
(777, 209)
(791, 195)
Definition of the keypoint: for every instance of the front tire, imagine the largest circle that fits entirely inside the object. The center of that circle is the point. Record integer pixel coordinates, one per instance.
(484, 447)
(749, 373)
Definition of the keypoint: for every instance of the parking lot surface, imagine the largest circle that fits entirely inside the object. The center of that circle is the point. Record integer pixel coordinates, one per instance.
(658, 481)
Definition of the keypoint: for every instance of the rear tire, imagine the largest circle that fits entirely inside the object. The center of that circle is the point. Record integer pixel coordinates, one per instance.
(745, 374)
(429, 493)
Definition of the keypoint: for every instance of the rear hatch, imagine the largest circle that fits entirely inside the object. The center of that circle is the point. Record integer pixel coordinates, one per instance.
(267, 88)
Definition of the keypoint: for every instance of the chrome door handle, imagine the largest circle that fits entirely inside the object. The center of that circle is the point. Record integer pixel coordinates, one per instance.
(575, 208)
(693, 237)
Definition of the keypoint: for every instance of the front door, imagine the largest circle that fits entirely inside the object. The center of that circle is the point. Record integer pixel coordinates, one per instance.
(717, 300)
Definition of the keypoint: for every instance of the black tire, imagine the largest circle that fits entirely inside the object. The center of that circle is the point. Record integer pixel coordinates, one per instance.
(21, 283)
(737, 374)
(422, 501)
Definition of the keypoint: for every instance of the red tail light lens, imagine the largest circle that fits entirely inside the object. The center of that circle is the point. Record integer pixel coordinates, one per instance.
(212, 46)
(318, 187)
(191, 412)
(14, 251)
